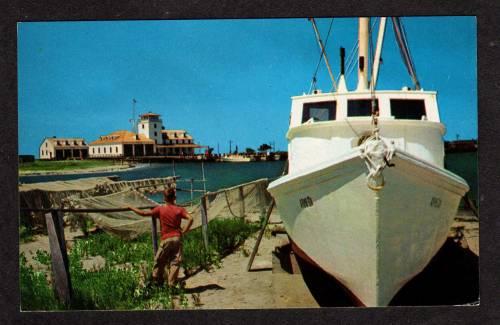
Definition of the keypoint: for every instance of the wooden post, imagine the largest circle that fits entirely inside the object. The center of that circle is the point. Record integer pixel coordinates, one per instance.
(192, 197)
(261, 233)
(59, 257)
(154, 235)
(204, 220)
(242, 202)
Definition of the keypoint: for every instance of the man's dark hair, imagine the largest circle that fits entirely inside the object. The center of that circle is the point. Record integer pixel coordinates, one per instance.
(169, 195)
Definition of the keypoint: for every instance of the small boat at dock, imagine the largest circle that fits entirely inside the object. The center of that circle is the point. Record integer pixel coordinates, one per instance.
(237, 158)
(366, 198)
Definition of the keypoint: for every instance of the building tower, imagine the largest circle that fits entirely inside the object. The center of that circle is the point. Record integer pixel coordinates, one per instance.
(150, 125)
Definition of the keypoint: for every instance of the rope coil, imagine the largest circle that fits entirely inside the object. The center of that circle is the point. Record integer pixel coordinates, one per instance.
(377, 155)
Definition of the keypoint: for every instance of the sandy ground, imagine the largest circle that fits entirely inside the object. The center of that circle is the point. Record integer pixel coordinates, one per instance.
(232, 287)
(102, 169)
(266, 286)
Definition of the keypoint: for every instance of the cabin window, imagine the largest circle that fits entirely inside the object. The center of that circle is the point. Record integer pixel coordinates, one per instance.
(407, 109)
(360, 107)
(322, 111)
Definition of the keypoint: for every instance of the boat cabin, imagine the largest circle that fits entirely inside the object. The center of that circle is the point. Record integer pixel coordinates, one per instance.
(329, 125)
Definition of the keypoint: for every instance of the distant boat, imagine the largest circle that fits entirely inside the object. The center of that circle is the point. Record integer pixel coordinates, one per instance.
(367, 198)
(237, 158)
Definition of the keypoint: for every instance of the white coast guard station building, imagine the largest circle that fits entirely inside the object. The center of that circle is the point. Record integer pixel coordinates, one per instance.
(151, 139)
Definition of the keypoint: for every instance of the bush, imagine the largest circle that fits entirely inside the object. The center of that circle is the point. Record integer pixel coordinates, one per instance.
(36, 294)
(118, 286)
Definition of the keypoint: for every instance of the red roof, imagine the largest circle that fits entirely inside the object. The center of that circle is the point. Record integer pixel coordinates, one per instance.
(122, 136)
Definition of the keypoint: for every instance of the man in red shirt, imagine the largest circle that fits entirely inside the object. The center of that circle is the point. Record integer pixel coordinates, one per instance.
(170, 250)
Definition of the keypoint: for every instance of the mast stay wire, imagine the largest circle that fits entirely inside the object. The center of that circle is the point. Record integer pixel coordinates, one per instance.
(404, 49)
(322, 51)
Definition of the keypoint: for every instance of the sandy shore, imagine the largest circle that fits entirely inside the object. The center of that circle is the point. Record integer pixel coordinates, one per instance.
(103, 169)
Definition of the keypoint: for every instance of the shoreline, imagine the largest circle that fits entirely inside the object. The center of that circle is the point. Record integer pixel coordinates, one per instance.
(92, 170)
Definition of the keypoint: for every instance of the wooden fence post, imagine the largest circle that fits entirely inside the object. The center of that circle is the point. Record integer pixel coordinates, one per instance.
(154, 235)
(59, 257)
(204, 220)
(261, 233)
(242, 202)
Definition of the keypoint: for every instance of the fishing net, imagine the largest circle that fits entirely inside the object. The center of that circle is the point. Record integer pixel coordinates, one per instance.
(127, 224)
(58, 194)
(249, 201)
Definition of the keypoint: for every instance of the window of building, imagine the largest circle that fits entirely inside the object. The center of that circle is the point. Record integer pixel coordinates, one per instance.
(98, 150)
(154, 125)
(93, 150)
(46, 144)
(156, 134)
(110, 149)
(142, 125)
(116, 149)
(322, 111)
(360, 107)
(408, 109)
(104, 149)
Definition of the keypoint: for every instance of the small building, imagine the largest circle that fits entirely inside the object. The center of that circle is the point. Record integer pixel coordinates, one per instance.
(122, 144)
(26, 158)
(176, 143)
(63, 148)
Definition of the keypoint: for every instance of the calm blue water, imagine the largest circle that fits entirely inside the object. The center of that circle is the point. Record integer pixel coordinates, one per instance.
(221, 175)
(218, 175)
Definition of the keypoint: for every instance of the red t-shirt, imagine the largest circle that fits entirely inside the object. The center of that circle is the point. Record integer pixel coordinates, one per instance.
(170, 219)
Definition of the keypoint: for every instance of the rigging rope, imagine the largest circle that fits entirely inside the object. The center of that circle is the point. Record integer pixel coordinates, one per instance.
(322, 51)
(404, 49)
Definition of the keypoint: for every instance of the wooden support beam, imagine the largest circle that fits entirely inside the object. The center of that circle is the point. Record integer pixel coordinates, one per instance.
(242, 202)
(154, 235)
(59, 257)
(204, 221)
(261, 233)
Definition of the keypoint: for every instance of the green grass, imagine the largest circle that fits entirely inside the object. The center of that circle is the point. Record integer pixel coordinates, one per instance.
(63, 165)
(118, 285)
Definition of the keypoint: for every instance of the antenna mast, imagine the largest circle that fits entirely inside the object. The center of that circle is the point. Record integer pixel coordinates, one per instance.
(132, 120)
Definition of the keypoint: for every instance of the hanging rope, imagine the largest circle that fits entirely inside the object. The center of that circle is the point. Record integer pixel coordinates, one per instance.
(404, 49)
(314, 79)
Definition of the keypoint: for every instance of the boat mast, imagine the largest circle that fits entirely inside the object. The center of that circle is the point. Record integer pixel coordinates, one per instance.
(363, 30)
(323, 52)
(378, 51)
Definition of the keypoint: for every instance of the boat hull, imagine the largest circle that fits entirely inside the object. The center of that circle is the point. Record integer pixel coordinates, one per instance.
(372, 242)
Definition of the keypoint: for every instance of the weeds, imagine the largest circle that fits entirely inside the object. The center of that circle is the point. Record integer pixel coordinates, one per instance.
(36, 294)
(115, 287)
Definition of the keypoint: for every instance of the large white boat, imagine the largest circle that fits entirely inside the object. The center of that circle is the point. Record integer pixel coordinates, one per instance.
(366, 197)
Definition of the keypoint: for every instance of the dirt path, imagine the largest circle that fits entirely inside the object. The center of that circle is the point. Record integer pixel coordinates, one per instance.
(232, 287)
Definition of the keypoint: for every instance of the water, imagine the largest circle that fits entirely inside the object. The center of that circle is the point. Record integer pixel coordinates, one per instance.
(217, 175)
(221, 175)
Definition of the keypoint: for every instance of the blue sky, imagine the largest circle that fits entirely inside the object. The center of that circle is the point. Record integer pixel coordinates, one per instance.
(220, 80)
